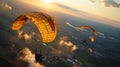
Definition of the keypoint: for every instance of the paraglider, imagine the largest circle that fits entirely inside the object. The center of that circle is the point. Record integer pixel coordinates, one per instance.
(84, 41)
(93, 30)
(45, 24)
(38, 57)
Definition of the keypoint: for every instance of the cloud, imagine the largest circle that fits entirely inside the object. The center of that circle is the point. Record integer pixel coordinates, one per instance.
(7, 6)
(65, 48)
(27, 37)
(27, 56)
(65, 7)
(112, 3)
(76, 28)
(101, 35)
(20, 34)
(108, 3)
(64, 42)
(93, 1)
(70, 25)
(69, 44)
(112, 38)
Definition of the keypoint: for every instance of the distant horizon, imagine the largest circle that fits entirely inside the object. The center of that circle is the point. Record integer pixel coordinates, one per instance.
(75, 12)
(89, 6)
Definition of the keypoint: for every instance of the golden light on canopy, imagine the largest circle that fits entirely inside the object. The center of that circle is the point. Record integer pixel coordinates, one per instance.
(94, 31)
(92, 38)
(45, 24)
(90, 50)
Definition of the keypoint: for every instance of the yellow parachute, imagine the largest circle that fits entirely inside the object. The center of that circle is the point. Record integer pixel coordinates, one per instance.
(92, 38)
(94, 31)
(45, 24)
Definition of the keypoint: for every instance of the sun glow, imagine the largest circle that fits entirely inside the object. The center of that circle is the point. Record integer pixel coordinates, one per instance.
(47, 1)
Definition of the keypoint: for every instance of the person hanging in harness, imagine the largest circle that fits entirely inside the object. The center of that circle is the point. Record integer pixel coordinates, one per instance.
(38, 57)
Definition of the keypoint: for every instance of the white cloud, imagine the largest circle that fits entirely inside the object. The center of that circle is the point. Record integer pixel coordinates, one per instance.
(68, 44)
(108, 3)
(101, 35)
(70, 25)
(20, 34)
(65, 48)
(26, 36)
(27, 56)
(7, 6)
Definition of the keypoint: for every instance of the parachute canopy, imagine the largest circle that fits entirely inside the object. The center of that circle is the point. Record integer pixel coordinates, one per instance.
(94, 31)
(45, 24)
(90, 50)
(92, 38)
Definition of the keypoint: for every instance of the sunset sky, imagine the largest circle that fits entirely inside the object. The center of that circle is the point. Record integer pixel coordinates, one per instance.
(105, 8)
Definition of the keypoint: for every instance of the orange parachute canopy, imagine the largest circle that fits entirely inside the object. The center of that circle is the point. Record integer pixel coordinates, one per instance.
(45, 24)
(94, 31)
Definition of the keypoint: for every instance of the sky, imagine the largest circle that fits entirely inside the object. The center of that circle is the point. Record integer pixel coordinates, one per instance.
(105, 8)
(97, 8)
